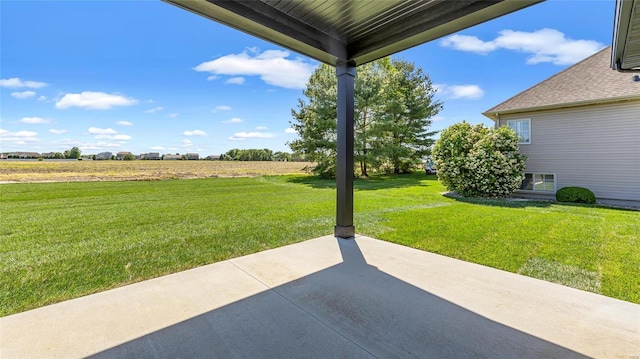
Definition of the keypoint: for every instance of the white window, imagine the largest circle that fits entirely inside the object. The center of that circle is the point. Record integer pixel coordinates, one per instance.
(523, 130)
(543, 182)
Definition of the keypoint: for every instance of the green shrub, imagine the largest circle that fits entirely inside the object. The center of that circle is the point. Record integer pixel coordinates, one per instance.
(575, 195)
(476, 161)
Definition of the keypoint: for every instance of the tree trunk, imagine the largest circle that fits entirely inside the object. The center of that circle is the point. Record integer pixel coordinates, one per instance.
(363, 167)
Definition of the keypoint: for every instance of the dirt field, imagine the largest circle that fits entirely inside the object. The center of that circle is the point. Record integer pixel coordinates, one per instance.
(68, 171)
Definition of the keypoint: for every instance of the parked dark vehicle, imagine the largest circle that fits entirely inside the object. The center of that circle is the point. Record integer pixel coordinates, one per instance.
(430, 170)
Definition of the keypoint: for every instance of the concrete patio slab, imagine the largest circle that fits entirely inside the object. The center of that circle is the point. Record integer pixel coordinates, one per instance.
(331, 297)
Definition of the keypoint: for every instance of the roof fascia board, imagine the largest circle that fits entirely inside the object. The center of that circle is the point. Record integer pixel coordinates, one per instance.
(495, 115)
(366, 51)
(439, 14)
(621, 23)
(258, 19)
(261, 20)
(625, 55)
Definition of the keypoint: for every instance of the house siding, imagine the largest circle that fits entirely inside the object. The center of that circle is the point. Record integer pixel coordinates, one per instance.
(596, 147)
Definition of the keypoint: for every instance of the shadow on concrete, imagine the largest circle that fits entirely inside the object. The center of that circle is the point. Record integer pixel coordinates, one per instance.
(349, 310)
(370, 183)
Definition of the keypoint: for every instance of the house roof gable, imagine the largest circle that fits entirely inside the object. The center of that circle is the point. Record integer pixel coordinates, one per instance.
(587, 82)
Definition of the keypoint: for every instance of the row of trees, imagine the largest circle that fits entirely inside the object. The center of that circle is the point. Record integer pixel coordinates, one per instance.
(247, 155)
(73, 153)
(393, 106)
(259, 155)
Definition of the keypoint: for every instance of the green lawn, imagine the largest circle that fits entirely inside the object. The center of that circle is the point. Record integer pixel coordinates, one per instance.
(64, 240)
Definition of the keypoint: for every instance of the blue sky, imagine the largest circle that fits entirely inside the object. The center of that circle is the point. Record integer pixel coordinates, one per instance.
(145, 76)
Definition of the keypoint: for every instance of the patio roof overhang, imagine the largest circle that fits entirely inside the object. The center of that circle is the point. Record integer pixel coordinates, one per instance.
(625, 55)
(345, 34)
(355, 32)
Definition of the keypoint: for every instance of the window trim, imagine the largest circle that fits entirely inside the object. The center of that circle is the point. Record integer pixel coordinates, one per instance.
(528, 128)
(533, 174)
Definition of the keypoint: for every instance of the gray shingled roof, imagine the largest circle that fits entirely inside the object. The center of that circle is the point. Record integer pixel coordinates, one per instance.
(589, 81)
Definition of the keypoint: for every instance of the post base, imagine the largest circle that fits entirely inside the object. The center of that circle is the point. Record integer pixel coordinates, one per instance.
(345, 231)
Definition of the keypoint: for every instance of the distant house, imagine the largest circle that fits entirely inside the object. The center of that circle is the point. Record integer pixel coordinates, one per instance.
(149, 156)
(172, 157)
(48, 155)
(212, 158)
(120, 155)
(580, 127)
(192, 156)
(104, 156)
(3, 156)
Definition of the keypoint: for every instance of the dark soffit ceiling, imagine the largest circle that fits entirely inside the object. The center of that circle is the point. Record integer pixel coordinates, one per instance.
(356, 31)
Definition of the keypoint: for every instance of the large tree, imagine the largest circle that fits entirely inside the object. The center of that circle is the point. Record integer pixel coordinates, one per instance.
(393, 104)
(315, 121)
(74, 152)
(403, 138)
(369, 85)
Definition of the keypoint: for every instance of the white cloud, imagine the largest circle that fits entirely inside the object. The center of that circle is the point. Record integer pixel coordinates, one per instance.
(156, 148)
(173, 115)
(233, 120)
(241, 136)
(466, 91)
(42, 98)
(107, 134)
(112, 137)
(222, 108)
(25, 134)
(120, 137)
(548, 45)
(194, 133)
(102, 131)
(18, 138)
(273, 67)
(460, 91)
(545, 45)
(57, 132)
(94, 100)
(262, 128)
(212, 77)
(290, 130)
(155, 109)
(187, 143)
(125, 123)
(16, 82)
(22, 95)
(35, 120)
(469, 44)
(102, 144)
(235, 81)
(98, 146)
